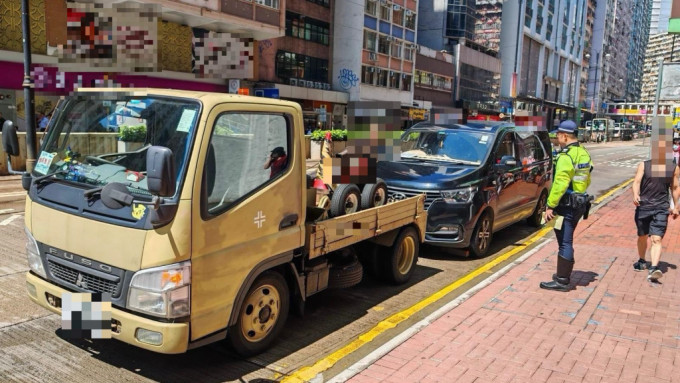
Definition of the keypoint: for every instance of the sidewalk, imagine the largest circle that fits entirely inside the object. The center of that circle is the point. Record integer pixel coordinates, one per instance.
(615, 326)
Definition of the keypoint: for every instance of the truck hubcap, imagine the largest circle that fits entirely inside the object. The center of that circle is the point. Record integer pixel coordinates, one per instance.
(351, 204)
(406, 255)
(379, 198)
(260, 313)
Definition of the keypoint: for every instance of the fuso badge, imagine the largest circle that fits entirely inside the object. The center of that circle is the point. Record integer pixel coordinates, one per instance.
(259, 219)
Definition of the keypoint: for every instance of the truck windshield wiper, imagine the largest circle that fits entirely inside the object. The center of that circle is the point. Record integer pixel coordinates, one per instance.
(39, 180)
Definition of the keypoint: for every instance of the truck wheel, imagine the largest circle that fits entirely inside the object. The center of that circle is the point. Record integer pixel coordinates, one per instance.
(537, 216)
(345, 275)
(402, 257)
(345, 200)
(262, 315)
(373, 195)
(481, 236)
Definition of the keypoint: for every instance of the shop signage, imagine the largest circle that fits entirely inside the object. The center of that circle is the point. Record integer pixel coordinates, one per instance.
(418, 114)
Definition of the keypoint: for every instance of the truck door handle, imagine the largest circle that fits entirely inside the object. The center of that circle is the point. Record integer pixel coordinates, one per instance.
(288, 221)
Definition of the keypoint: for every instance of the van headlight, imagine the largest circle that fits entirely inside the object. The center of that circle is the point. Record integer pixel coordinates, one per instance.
(33, 254)
(162, 291)
(463, 195)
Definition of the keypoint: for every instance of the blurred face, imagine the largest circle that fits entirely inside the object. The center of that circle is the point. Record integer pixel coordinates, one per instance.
(662, 151)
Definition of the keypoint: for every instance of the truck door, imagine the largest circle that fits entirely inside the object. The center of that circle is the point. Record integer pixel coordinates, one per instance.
(247, 204)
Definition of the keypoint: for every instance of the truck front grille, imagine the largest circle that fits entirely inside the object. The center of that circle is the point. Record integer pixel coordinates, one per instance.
(396, 193)
(83, 280)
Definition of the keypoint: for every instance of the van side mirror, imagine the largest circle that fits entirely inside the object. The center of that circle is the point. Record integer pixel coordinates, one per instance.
(10, 142)
(160, 171)
(508, 161)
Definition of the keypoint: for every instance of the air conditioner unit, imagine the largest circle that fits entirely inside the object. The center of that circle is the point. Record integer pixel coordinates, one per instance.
(372, 56)
(310, 84)
(293, 82)
(396, 7)
(409, 12)
(318, 85)
(327, 86)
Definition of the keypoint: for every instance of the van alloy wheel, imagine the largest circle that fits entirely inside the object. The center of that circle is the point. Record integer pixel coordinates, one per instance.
(482, 236)
(260, 313)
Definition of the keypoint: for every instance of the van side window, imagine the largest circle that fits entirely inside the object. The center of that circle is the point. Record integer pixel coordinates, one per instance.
(531, 149)
(246, 151)
(506, 146)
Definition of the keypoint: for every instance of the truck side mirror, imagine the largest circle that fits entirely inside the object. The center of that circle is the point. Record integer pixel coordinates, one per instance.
(160, 171)
(10, 142)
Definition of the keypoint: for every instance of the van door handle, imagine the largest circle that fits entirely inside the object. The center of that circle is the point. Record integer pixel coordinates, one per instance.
(288, 221)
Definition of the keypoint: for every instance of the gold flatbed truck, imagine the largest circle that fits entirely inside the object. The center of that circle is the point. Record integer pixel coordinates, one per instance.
(204, 230)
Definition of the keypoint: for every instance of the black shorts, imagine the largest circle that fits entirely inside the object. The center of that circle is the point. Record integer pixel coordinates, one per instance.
(651, 222)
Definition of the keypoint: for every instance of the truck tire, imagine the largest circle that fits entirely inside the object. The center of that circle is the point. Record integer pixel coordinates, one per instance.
(402, 257)
(345, 275)
(346, 200)
(373, 195)
(261, 316)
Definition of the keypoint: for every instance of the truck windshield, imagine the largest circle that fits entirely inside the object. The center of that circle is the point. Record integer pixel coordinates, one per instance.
(469, 148)
(96, 139)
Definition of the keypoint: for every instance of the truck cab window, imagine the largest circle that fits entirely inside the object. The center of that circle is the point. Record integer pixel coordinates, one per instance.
(247, 150)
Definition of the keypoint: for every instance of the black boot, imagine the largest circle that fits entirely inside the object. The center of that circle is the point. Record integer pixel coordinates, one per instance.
(560, 280)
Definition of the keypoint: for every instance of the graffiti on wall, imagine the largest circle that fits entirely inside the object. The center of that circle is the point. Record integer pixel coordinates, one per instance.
(264, 45)
(347, 79)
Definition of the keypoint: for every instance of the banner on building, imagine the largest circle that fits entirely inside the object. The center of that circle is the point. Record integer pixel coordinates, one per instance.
(110, 37)
(222, 54)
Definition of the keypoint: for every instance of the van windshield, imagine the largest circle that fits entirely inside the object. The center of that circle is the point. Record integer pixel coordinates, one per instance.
(96, 139)
(463, 147)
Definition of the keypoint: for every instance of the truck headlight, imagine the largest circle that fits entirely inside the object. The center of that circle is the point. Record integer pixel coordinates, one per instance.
(463, 195)
(162, 291)
(33, 254)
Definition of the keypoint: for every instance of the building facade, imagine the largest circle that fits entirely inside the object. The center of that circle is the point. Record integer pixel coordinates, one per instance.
(374, 49)
(660, 14)
(541, 48)
(639, 36)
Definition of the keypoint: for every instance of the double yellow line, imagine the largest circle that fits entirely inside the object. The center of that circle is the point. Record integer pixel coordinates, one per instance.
(307, 373)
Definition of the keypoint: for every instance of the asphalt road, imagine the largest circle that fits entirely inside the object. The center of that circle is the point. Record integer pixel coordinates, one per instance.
(33, 348)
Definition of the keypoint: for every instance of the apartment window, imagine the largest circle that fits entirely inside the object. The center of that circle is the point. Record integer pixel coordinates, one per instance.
(398, 15)
(539, 18)
(307, 28)
(369, 41)
(385, 12)
(294, 65)
(367, 75)
(382, 77)
(410, 21)
(529, 13)
(408, 54)
(394, 80)
(447, 83)
(383, 45)
(396, 50)
(269, 3)
(439, 82)
(325, 3)
(425, 78)
(371, 7)
(406, 83)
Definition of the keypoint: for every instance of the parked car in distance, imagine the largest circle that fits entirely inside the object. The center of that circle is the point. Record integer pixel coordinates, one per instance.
(478, 178)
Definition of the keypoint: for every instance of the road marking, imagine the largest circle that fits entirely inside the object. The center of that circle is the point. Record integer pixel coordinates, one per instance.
(13, 194)
(381, 351)
(307, 373)
(614, 190)
(5, 211)
(10, 219)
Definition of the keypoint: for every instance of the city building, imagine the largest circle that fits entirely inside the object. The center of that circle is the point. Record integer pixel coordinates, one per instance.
(298, 65)
(374, 49)
(661, 13)
(542, 46)
(477, 73)
(433, 84)
(588, 36)
(160, 43)
(659, 47)
(639, 36)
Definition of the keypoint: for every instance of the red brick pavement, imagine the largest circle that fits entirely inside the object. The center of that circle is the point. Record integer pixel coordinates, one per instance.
(615, 326)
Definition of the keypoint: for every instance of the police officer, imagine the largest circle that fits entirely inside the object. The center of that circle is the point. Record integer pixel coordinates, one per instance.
(568, 199)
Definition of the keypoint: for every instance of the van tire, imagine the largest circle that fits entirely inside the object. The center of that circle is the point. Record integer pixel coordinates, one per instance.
(402, 257)
(346, 199)
(480, 242)
(268, 299)
(373, 195)
(536, 217)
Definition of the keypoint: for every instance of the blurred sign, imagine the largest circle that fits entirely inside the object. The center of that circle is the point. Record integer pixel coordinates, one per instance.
(670, 85)
(416, 114)
(267, 92)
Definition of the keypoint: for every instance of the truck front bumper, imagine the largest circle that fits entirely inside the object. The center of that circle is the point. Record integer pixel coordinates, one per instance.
(175, 335)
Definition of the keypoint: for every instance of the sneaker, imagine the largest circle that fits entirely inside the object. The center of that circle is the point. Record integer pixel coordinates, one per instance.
(640, 265)
(654, 274)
